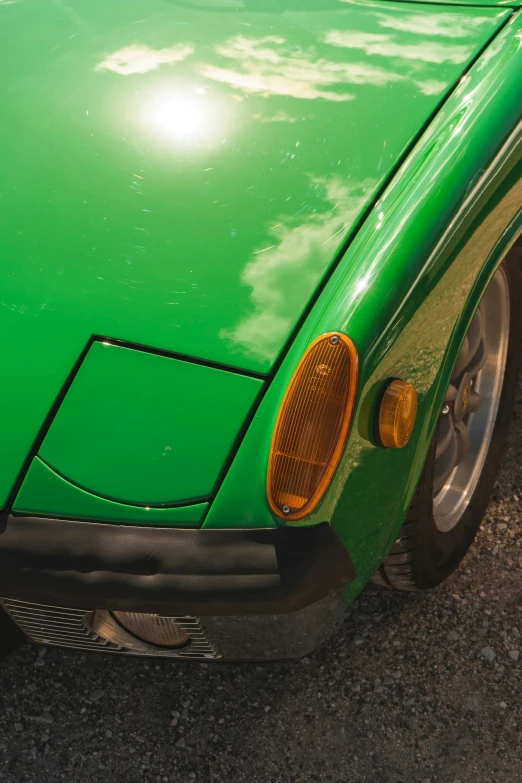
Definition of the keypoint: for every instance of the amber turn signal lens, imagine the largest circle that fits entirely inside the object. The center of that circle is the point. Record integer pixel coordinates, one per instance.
(312, 426)
(397, 413)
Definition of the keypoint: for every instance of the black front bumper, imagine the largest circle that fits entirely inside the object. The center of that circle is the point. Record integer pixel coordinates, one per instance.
(170, 570)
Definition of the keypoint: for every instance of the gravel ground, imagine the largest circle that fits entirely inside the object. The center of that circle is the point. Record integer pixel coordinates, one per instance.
(415, 688)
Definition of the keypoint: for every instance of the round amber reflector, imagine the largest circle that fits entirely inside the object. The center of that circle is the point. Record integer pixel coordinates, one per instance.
(312, 426)
(397, 414)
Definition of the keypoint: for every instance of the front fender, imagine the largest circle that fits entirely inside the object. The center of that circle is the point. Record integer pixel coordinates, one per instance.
(404, 291)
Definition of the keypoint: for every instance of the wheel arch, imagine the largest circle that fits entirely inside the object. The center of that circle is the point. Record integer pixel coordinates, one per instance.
(489, 219)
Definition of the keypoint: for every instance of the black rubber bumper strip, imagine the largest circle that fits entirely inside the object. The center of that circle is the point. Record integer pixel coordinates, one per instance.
(91, 565)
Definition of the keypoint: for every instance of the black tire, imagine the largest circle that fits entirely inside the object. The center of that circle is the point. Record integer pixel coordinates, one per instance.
(423, 556)
(11, 636)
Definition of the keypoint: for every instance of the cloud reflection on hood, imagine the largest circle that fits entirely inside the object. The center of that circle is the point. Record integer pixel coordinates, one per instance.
(448, 25)
(297, 253)
(139, 58)
(387, 46)
(270, 66)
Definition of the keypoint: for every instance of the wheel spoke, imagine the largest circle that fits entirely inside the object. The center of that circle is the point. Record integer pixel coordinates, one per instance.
(478, 360)
(462, 360)
(450, 394)
(474, 402)
(462, 434)
(445, 435)
(445, 465)
(475, 335)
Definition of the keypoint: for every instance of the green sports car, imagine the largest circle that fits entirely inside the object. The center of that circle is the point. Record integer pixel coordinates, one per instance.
(260, 282)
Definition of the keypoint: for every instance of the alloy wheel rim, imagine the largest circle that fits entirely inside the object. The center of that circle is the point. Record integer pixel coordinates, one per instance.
(470, 406)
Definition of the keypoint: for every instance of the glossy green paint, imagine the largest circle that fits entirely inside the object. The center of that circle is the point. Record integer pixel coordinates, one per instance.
(405, 292)
(140, 428)
(45, 493)
(182, 175)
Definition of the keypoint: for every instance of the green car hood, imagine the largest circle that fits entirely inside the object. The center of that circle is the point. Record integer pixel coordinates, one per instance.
(183, 175)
